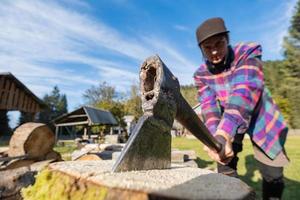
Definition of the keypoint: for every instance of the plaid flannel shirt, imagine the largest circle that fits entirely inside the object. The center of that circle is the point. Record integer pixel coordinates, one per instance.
(236, 100)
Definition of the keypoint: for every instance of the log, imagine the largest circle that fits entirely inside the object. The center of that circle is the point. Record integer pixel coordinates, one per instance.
(5, 158)
(103, 155)
(53, 155)
(94, 180)
(18, 163)
(33, 139)
(19, 174)
(12, 181)
(89, 157)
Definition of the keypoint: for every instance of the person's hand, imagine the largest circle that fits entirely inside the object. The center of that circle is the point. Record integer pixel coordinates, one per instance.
(226, 154)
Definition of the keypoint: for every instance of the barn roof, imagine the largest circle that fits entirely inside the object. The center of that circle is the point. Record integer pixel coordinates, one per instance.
(86, 116)
(14, 95)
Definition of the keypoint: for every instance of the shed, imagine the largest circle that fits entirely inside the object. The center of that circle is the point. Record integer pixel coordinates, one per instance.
(85, 116)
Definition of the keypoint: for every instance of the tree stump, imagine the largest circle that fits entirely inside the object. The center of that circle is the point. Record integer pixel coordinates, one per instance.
(95, 180)
(32, 139)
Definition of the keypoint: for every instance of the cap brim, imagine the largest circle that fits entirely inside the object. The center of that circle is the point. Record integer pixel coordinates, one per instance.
(210, 35)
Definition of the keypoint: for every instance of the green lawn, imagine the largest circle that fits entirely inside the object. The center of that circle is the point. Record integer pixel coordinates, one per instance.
(246, 166)
(66, 150)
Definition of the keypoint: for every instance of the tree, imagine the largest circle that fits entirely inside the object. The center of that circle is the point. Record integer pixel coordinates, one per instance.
(103, 92)
(115, 107)
(4, 123)
(25, 117)
(133, 105)
(105, 97)
(57, 105)
(292, 44)
(189, 92)
(275, 80)
(292, 65)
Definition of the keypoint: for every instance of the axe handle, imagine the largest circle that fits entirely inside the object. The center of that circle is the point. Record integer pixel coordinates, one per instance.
(190, 120)
(217, 145)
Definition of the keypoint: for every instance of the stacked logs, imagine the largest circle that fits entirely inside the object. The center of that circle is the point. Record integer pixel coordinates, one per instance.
(30, 150)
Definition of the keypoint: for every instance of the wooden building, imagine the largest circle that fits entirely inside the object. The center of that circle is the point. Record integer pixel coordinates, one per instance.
(15, 96)
(85, 116)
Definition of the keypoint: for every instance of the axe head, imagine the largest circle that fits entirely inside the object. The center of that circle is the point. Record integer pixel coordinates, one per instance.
(149, 146)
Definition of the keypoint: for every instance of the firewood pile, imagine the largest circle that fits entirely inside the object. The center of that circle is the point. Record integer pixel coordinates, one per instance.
(30, 150)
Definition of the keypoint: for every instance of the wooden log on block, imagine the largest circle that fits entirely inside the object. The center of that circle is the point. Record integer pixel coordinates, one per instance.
(112, 147)
(89, 157)
(18, 163)
(189, 155)
(32, 139)
(104, 155)
(17, 175)
(12, 181)
(3, 150)
(94, 180)
(112, 139)
(183, 155)
(177, 157)
(53, 155)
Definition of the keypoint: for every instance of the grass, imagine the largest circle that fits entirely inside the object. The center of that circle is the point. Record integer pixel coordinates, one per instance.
(247, 164)
(65, 149)
(4, 143)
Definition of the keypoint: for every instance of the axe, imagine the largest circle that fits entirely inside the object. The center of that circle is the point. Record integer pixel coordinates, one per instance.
(149, 146)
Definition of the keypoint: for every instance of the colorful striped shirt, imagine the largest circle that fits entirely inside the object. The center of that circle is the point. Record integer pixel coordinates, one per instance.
(237, 101)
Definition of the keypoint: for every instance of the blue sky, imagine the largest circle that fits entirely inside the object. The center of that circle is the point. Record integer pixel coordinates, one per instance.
(77, 44)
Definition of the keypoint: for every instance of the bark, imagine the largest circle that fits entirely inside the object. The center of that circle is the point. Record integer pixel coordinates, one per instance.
(32, 139)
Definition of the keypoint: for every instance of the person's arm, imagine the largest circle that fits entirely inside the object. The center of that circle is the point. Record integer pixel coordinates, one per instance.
(247, 87)
(210, 109)
(211, 112)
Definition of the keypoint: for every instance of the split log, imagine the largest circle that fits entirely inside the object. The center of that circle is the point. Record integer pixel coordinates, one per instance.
(53, 155)
(32, 139)
(12, 181)
(104, 155)
(89, 157)
(183, 155)
(19, 174)
(18, 163)
(94, 180)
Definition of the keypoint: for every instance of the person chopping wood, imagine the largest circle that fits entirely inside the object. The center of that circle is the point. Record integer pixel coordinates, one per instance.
(234, 100)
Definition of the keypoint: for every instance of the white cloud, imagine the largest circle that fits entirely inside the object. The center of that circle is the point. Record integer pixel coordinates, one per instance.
(180, 66)
(275, 28)
(41, 40)
(181, 27)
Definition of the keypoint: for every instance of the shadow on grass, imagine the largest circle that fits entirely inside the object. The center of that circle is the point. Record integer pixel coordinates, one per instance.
(203, 163)
(291, 187)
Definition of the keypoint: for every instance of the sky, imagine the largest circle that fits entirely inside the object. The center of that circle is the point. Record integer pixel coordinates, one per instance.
(77, 44)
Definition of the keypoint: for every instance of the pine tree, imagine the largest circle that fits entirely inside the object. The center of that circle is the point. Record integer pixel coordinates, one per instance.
(292, 64)
(26, 117)
(4, 123)
(57, 105)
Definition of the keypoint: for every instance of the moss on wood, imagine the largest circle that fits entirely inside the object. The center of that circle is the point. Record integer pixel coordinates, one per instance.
(58, 186)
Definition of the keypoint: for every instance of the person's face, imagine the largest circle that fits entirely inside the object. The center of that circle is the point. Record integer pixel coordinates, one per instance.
(215, 48)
